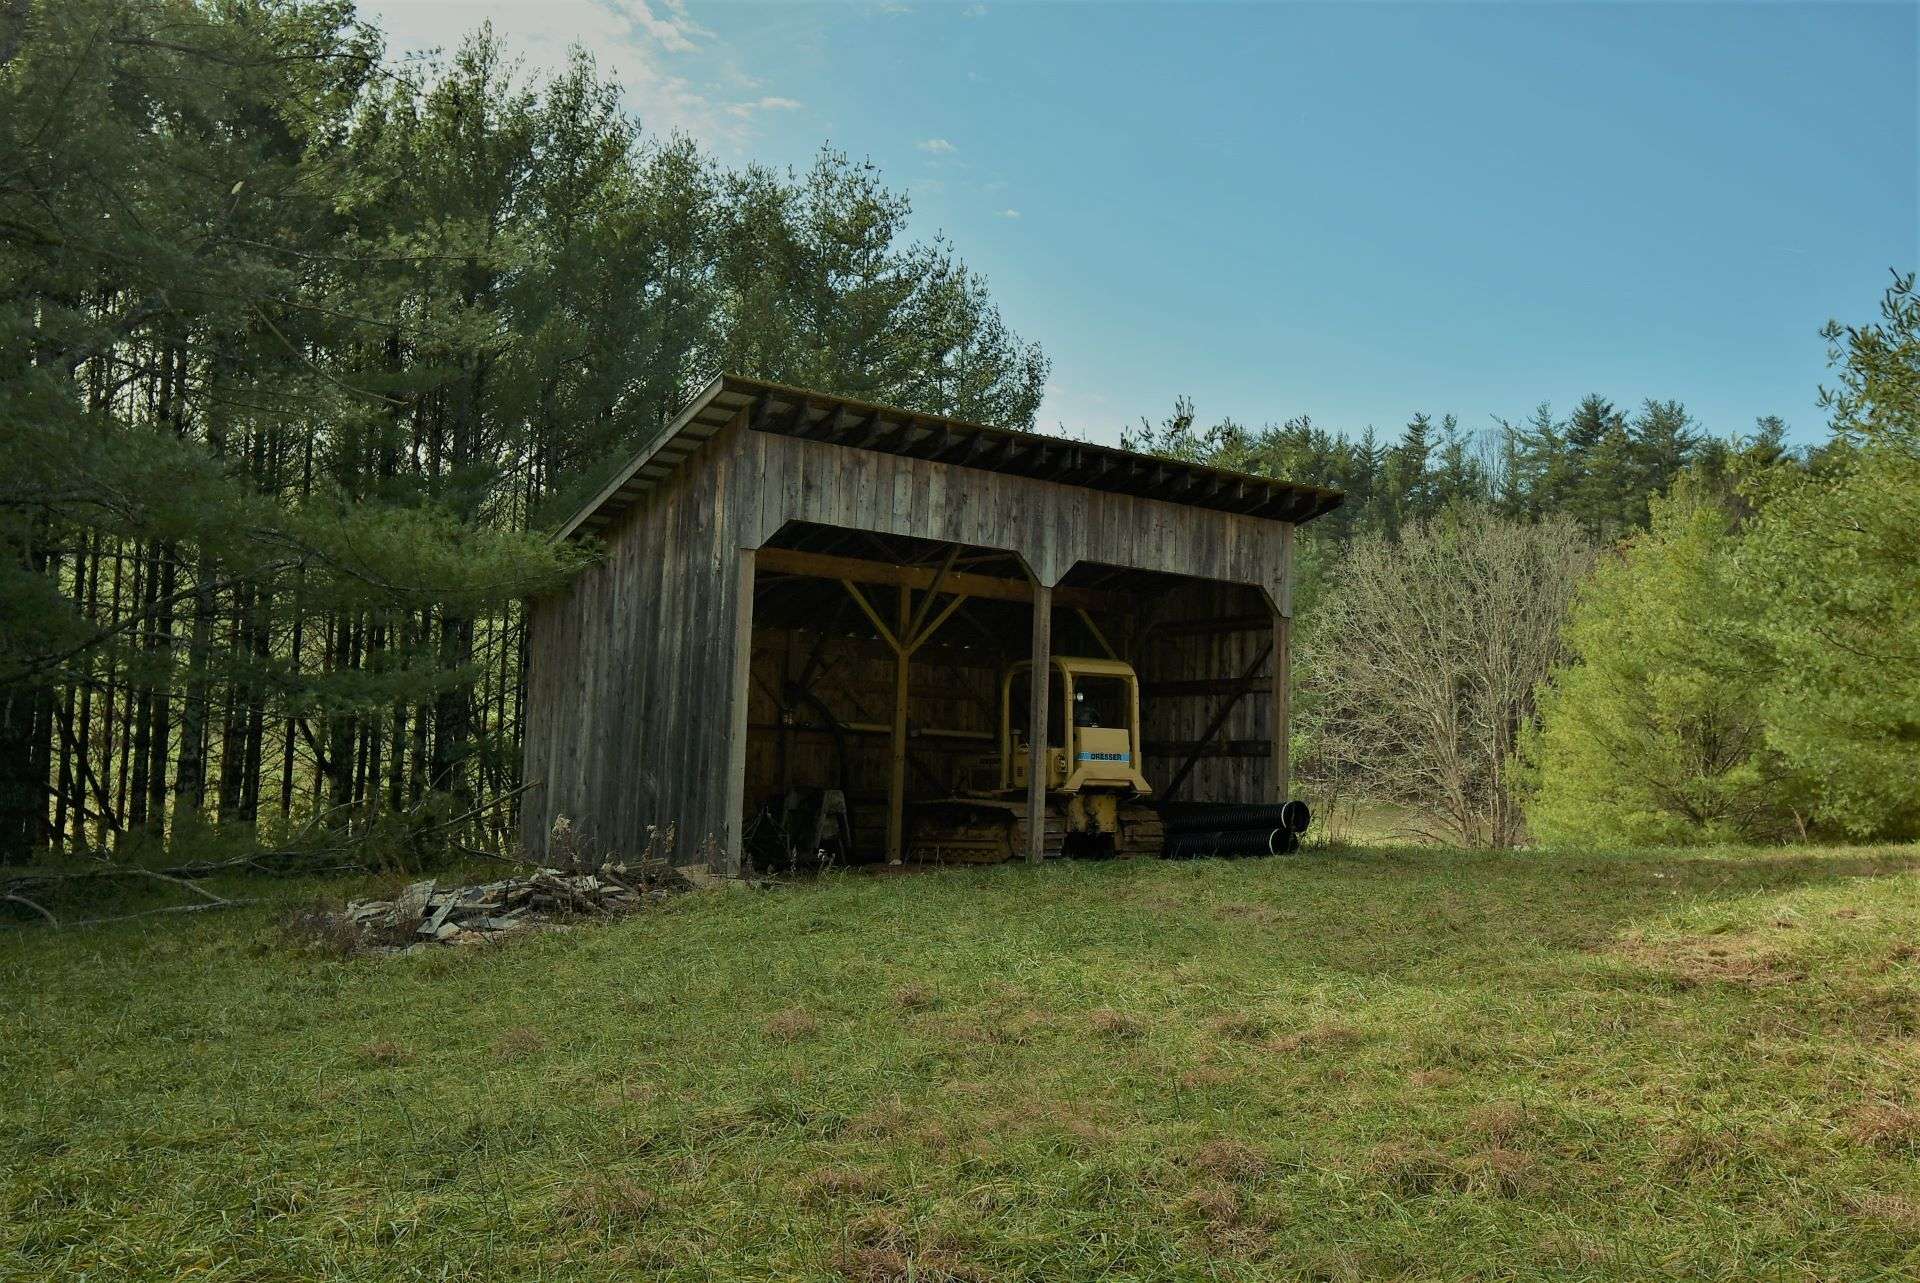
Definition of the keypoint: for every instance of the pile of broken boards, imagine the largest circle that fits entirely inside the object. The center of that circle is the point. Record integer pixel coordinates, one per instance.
(427, 914)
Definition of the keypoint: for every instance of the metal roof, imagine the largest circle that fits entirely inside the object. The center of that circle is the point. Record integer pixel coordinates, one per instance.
(817, 416)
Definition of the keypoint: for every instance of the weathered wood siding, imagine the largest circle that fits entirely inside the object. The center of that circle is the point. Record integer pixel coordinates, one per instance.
(638, 690)
(1052, 525)
(631, 676)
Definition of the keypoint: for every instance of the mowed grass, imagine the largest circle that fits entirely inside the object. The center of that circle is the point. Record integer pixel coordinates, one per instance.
(1388, 1064)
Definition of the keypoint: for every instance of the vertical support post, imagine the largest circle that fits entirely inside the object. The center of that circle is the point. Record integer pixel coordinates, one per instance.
(1037, 722)
(1282, 712)
(733, 815)
(897, 780)
(1282, 730)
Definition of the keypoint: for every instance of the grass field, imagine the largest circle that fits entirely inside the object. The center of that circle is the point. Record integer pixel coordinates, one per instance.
(1385, 1064)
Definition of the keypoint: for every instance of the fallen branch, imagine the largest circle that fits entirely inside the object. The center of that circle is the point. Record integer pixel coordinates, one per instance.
(347, 851)
(17, 898)
(478, 811)
(40, 909)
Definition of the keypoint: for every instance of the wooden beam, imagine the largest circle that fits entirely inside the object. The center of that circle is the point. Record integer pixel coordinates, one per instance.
(916, 435)
(912, 636)
(1037, 723)
(761, 420)
(886, 634)
(955, 447)
(872, 728)
(812, 666)
(967, 655)
(1098, 636)
(933, 626)
(829, 426)
(897, 778)
(732, 837)
(861, 570)
(1282, 729)
(1282, 688)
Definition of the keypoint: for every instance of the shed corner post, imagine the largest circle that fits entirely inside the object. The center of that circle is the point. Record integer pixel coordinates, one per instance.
(733, 818)
(1037, 720)
(1280, 603)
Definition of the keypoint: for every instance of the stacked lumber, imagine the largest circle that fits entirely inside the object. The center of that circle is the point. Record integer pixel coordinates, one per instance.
(427, 913)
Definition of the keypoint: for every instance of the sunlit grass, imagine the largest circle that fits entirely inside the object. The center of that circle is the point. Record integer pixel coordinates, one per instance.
(1387, 1064)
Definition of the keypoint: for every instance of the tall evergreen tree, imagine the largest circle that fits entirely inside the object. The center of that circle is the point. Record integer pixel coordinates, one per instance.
(303, 349)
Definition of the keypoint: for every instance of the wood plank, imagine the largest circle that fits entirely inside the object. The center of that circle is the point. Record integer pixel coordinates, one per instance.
(861, 570)
(1042, 656)
(897, 775)
(1279, 723)
(871, 729)
(736, 777)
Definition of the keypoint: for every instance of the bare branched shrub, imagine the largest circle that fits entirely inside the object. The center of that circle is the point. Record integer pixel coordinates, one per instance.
(1425, 658)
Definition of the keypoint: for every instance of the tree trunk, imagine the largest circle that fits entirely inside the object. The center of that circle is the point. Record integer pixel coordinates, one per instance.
(190, 776)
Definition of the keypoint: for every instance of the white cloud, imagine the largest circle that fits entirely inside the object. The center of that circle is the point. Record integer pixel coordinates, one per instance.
(974, 11)
(742, 110)
(1009, 213)
(675, 32)
(677, 75)
(935, 146)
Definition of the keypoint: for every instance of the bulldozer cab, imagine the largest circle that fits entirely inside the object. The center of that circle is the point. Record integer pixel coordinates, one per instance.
(1093, 727)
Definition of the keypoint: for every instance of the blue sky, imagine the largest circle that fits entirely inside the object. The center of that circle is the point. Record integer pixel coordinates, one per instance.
(1353, 211)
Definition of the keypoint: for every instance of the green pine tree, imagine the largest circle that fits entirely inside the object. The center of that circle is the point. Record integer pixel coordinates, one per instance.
(1653, 733)
(1832, 569)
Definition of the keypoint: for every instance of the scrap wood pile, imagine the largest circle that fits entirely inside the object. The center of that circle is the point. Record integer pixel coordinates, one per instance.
(427, 913)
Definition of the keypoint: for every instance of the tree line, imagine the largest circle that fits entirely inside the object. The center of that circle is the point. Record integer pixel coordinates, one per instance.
(1615, 629)
(1598, 465)
(303, 347)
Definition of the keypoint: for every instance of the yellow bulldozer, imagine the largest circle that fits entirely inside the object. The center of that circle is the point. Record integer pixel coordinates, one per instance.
(1095, 794)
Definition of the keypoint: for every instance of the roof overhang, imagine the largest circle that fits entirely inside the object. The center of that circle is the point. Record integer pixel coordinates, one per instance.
(835, 420)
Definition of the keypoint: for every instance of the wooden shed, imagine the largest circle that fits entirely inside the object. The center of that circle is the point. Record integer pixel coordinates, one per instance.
(799, 590)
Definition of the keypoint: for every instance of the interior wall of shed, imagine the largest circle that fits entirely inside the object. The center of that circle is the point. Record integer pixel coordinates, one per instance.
(821, 679)
(1201, 648)
(836, 733)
